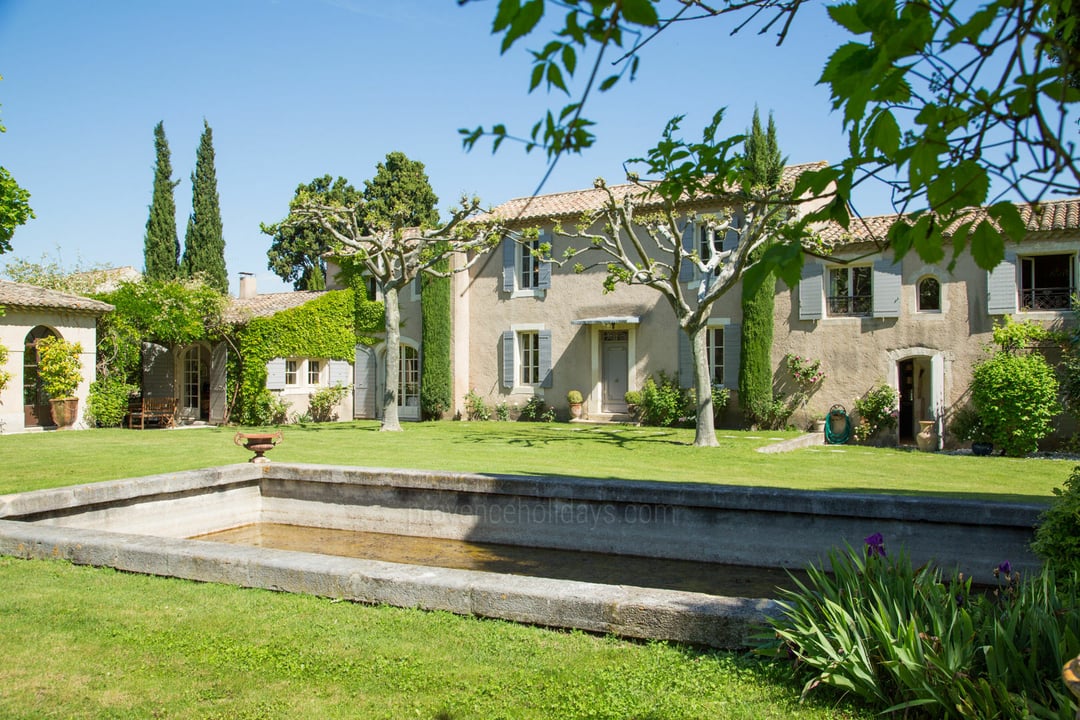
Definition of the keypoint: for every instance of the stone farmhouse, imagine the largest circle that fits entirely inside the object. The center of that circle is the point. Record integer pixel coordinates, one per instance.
(523, 328)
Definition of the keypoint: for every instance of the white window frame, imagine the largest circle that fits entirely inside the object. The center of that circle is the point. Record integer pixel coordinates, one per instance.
(525, 261)
(714, 330)
(830, 298)
(520, 387)
(1023, 262)
(315, 370)
(300, 371)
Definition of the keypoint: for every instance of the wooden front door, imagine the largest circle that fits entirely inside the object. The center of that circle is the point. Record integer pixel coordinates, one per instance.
(614, 362)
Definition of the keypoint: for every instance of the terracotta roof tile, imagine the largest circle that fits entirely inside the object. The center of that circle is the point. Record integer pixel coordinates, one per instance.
(1046, 216)
(573, 204)
(243, 309)
(31, 296)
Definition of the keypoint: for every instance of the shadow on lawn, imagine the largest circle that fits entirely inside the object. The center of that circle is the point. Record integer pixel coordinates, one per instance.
(539, 434)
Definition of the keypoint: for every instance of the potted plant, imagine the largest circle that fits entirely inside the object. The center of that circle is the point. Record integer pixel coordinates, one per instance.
(633, 404)
(818, 424)
(60, 371)
(968, 426)
(574, 398)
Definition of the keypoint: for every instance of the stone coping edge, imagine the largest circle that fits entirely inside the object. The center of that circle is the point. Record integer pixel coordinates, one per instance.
(632, 612)
(728, 497)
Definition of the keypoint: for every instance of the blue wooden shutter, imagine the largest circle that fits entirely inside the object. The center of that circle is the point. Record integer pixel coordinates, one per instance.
(509, 248)
(158, 371)
(1001, 287)
(340, 372)
(508, 359)
(812, 292)
(886, 288)
(731, 237)
(275, 374)
(364, 382)
(686, 268)
(686, 360)
(732, 355)
(544, 281)
(545, 358)
(219, 358)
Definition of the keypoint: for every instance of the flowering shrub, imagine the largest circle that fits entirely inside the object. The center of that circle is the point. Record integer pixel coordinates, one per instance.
(877, 411)
(807, 373)
(912, 643)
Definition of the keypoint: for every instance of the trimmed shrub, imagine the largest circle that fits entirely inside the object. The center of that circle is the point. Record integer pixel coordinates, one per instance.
(1016, 397)
(107, 404)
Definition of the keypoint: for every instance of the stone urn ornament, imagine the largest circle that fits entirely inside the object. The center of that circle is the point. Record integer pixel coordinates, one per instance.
(258, 443)
(926, 439)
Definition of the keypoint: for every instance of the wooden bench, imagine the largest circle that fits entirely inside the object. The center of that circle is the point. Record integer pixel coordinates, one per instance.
(157, 411)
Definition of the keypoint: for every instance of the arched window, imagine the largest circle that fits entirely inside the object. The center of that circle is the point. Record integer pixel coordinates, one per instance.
(929, 294)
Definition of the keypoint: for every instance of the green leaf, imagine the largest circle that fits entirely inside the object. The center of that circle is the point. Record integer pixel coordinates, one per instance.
(508, 9)
(569, 59)
(987, 245)
(555, 77)
(608, 83)
(523, 22)
(846, 15)
(640, 12)
(884, 134)
(1008, 218)
(537, 76)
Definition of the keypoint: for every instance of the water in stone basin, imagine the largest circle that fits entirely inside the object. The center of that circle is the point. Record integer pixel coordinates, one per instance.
(710, 578)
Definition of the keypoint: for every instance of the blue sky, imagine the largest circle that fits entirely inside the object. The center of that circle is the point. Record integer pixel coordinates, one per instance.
(294, 89)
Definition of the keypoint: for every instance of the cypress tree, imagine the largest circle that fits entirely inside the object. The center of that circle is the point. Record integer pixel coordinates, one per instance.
(435, 383)
(764, 166)
(204, 242)
(161, 245)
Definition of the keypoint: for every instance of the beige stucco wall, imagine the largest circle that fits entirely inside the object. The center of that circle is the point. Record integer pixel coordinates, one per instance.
(15, 323)
(575, 348)
(856, 353)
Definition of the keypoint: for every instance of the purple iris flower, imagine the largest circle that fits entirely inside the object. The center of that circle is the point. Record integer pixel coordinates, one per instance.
(1004, 568)
(875, 544)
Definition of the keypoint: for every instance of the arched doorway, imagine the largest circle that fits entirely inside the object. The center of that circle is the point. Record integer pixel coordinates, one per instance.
(195, 384)
(36, 412)
(920, 383)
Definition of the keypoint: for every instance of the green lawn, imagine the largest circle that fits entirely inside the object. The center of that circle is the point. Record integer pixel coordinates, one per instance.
(41, 460)
(85, 642)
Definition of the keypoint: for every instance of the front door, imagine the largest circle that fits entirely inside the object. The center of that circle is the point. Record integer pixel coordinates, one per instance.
(614, 357)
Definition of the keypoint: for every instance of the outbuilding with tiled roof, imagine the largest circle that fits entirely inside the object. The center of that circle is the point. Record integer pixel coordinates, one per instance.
(30, 314)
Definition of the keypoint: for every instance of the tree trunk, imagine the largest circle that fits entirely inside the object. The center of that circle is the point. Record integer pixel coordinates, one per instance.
(392, 369)
(705, 428)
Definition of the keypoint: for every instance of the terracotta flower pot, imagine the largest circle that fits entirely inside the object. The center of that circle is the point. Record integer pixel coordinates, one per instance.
(64, 412)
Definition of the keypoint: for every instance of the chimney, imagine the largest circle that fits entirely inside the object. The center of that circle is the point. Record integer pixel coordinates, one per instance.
(247, 285)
